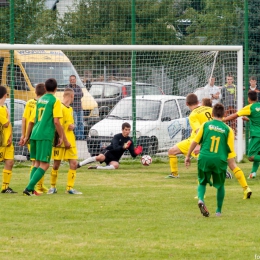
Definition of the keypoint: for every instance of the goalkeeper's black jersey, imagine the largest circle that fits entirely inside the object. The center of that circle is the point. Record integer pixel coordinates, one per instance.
(117, 144)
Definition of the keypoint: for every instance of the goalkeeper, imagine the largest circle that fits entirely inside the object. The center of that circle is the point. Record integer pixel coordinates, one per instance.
(112, 153)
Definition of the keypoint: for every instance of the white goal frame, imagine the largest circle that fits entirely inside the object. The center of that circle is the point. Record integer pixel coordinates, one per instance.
(238, 49)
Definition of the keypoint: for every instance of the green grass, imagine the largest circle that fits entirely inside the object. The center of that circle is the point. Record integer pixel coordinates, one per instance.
(129, 213)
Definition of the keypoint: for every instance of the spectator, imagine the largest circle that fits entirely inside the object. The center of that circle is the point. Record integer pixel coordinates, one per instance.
(253, 86)
(77, 108)
(213, 91)
(229, 99)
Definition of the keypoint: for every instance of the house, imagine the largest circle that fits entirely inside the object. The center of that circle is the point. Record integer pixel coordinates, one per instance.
(60, 5)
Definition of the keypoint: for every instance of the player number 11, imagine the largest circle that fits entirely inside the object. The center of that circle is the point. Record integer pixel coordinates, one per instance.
(214, 144)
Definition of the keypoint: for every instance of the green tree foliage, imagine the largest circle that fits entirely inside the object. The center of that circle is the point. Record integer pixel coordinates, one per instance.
(32, 22)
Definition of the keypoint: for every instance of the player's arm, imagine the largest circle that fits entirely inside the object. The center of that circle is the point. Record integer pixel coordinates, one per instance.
(245, 111)
(231, 143)
(23, 131)
(194, 143)
(57, 114)
(26, 114)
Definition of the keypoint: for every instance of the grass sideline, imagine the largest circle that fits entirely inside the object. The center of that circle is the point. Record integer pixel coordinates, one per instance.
(129, 213)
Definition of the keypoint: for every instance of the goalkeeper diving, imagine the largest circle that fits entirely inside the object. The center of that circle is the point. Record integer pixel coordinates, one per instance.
(113, 152)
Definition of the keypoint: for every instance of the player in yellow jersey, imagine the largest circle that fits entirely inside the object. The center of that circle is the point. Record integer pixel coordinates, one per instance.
(198, 116)
(6, 146)
(61, 153)
(29, 107)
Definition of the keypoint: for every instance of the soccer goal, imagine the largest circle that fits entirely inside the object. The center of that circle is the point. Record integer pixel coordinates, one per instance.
(144, 85)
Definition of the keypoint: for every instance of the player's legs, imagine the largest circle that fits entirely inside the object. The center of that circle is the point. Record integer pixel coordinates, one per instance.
(253, 155)
(72, 177)
(110, 166)
(42, 159)
(240, 177)
(7, 155)
(220, 199)
(180, 148)
(98, 158)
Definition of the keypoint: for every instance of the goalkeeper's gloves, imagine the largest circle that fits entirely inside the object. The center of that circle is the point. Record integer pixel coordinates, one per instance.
(127, 144)
(138, 149)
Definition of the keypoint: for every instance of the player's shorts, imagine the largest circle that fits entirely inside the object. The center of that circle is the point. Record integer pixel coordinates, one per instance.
(211, 167)
(41, 150)
(60, 153)
(29, 148)
(6, 153)
(109, 157)
(184, 146)
(254, 146)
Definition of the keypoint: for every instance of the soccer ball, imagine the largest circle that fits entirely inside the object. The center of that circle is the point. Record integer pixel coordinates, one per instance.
(146, 160)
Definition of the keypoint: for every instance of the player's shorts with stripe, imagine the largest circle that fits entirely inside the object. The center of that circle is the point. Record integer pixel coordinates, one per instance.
(109, 157)
(184, 146)
(6, 153)
(41, 150)
(60, 153)
(254, 146)
(209, 167)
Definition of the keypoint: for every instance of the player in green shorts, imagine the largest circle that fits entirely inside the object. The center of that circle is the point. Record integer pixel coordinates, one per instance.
(47, 113)
(217, 142)
(251, 113)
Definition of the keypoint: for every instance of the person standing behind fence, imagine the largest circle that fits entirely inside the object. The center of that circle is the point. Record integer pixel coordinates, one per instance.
(253, 86)
(229, 99)
(77, 108)
(213, 91)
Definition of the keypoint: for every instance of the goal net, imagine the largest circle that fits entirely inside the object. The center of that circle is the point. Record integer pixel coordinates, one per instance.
(145, 86)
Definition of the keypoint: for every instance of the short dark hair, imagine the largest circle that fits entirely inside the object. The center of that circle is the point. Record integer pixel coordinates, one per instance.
(252, 95)
(218, 110)
(3, 91)
(192, 99)
(206, 102)
(252, 78)
(230, 75)
(125, 125)
(51, 84)
(40, 89)
(73, 76)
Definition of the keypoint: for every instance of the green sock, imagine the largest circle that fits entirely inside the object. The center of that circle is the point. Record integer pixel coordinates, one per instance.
(201, 191)
(36, 177)
(256, 158)
(255, 167)
(220, 198)
(32, 172)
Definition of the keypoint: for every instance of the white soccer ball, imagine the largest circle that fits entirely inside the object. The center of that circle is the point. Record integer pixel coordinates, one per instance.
(146, 160)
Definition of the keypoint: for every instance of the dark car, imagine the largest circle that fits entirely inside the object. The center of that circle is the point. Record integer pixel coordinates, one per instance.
(19, 106)
(107, 94)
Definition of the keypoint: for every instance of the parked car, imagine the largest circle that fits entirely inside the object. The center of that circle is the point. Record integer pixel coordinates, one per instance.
(107, 94)
(19, 106)
(161, 121)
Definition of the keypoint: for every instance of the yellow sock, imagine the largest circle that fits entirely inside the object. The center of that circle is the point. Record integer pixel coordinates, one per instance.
(54, 176)
(71, 179)
(7, 175)
(173, 163)
(31, 169)
(240, 177)
(40, 182)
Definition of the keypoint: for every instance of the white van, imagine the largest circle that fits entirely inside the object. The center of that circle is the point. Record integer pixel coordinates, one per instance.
(35, 66)
(161, 122)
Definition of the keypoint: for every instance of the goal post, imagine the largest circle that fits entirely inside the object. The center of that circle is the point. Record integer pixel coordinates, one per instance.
(176, 69)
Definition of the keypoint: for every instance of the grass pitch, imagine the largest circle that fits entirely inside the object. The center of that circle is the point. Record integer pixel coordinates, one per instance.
(129, 213)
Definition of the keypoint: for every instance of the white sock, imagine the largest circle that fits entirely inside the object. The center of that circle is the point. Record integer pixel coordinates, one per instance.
(87, 161)
(108, 167)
